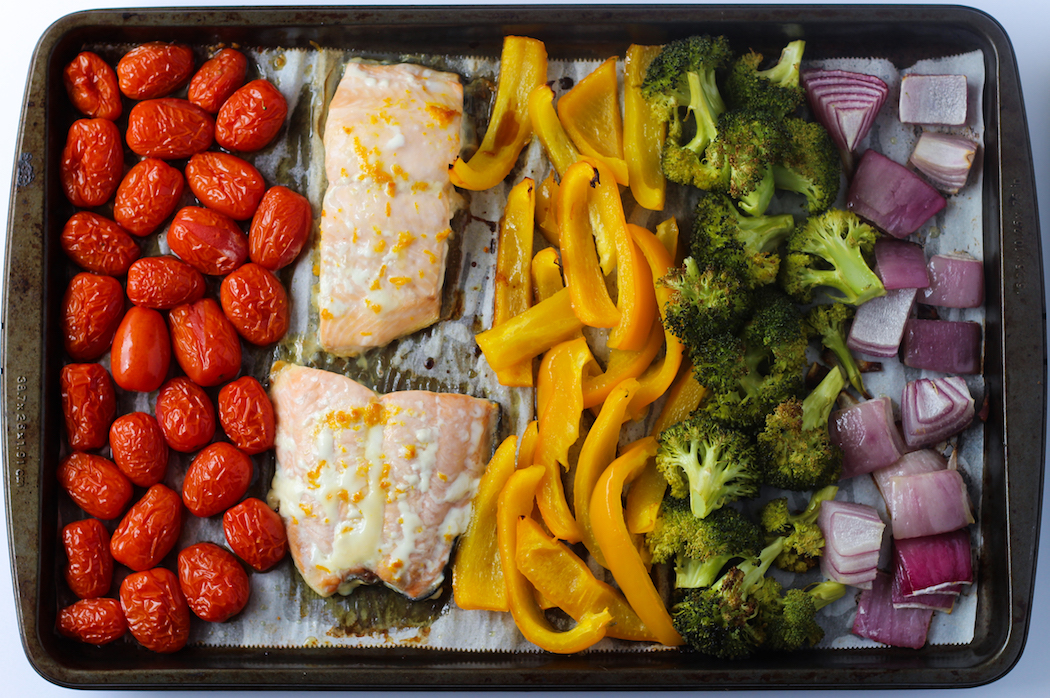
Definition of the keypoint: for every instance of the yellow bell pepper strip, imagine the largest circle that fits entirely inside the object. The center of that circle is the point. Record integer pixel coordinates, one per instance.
(546, 274)
(565, 581)
(636, 295)
(599, 449)
(579, 256)
(559, 403)
(683, 398)
(621, 366)
(531, 333)
(523, 66)
(527, 445)
(590, 113)
(477, 575)
(512, 292)
(515, 502)
(643, 133)
(619, 549)
(545, 124)
(667, 234)
(658, 378)
(547, 209)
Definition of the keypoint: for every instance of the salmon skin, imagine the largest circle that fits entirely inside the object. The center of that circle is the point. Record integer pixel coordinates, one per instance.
(374, 488)
(391, 134)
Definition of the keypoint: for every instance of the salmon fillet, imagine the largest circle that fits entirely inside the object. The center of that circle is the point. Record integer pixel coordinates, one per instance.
(374, 488)
(391, 133)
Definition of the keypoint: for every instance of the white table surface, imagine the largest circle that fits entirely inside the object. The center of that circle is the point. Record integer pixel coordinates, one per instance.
(1025, 21)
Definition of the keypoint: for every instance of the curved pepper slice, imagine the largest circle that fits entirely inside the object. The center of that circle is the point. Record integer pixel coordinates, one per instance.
(546, 274)
(565, 581)
(477, 575)
(599, 449)
(531, 333)
(590, 113)
(559, 404)
(667, 234)
(621, 366)
(547, 209)
(512, 286)
(643, 133)
(515, 502)
(522, 67)
(619, 549)
(548, 128)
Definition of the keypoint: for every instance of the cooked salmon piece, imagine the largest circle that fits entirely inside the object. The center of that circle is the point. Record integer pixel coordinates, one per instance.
(391, 133)
(374, 488)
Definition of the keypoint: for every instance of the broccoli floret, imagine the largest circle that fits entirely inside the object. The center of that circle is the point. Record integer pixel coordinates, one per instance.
(789, 622)
(680, 86)
(809, 164)
(829, 251)
(739, 160)
(829, 323)
(724, 619)
(803, 539)
(775, 89)
(704, 302)
(723, 236)
(708, 463)
(795, 448)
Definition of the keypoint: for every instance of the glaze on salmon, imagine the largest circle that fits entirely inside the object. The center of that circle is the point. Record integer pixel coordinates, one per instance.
(391, 133)
(374, 488)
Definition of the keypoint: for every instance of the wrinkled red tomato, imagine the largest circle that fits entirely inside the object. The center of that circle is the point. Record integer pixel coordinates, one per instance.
(185, 415)
(98, 244)
(217, 79)
(226, 183)
(154, 69)
(95, 484)
(147, 195)
(280, 228)
(156, 611)
(251, 117)
(92, 86)
(89, 563)
(206, 344)
(94, 621)
(256, 303)
(209, 241)
(215, 585)
(91, 310)
(246, 415)
(256, 533)
(169, 128)
(89, 404)
(92, 162)
(141, 350)
(139, 448)
(149, 530)
(162, 283)
(216, 479)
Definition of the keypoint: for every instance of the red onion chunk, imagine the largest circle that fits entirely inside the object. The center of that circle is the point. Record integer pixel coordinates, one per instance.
(945, 159)
(933, 99)
(878, 620)
(867, 435)
(933, 564)
(947, 346)
(901, 264)
(845, 103)
(891, 196)
(956, 281)
(932, 409)
(935, 602)
(850, 529)
(878, 325)
(922, 461)
(927, 504)
(860, 580)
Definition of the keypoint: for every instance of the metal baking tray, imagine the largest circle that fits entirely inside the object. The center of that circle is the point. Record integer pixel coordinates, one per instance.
(1015, 349)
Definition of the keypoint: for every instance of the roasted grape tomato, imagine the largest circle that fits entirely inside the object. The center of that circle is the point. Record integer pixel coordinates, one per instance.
(147, 195)
(256, 533)
(225, 183)
(154, 69)
(251, 117)
(141, 350)
(91, 310)
(246, 415)
(92, 86)
(95, 484)
(89, 563)
(149, 530)
(98, 244)
(89, 404)
(256, 303)
(162, 283)
(139, 448)
(209, 241)
(205, 342)
(185, 414)
(216, 479)
(217, 79)
(156, 610)
(280, 228)
(169, 128)
(215, 585)
(92, 162)
(94, 621)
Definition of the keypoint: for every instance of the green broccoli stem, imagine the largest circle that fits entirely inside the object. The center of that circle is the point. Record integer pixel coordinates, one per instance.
(826, 592)
(705, 104)
(694, 574)
(817, 406)
(755, 202)
(812, 511)
(836, 342)
(786, 71)
(754, 570)
(760, 234)
(851, 270)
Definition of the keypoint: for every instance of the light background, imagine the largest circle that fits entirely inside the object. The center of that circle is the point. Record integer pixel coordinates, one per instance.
(1026, 23)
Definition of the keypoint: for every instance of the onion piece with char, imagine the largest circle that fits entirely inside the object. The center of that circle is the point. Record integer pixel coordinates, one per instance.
(891, 196)
(852, 542)
(925, 460)
(947, 346)
(878, 620)
(867, 435)
(932, 409)
(944, 158)
(927, 504)
(936, 564)
(956, 281)
(878, 325)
